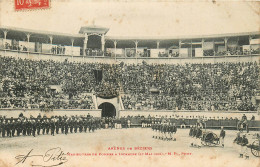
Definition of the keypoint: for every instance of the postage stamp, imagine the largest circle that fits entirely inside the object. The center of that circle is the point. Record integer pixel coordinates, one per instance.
(31, 4)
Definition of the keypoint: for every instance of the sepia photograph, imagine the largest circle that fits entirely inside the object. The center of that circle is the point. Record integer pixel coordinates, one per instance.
(128, 83)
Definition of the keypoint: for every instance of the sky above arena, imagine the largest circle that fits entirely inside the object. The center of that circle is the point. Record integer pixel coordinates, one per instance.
(135, 18)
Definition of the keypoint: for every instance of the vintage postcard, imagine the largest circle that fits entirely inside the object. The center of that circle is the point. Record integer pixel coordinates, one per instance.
(133, 83)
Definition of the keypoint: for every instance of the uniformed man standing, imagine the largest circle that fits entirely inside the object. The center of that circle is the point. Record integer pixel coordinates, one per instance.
(153, 128)
(93, 125)
(62, 124)
(106, 123)
(52, 125)
(24, 125)
(48, 126)
(85, 124)
(1, 122)
(244, 149)
(80, 125)
(3, 128)
(194, 132)
(76, 126)
(13, 127)
(198, 135)
(71, 125)
(57, 125)
(43, 125)
(38, 126)
(66, 126)
(128, 123)
(222, 136)
(29, 127)
(8, 128)
(112, 123)
(191, 131)
(19, 127)
(174, 130)
(34, 127)
(170, 130)
(238, 140)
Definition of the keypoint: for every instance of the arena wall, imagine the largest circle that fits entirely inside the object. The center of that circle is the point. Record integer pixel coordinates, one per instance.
(168, 113)
(35, 112)
(215, 122)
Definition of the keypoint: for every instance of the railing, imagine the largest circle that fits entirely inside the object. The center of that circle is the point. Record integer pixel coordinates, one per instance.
(129, 60)
(212, 124)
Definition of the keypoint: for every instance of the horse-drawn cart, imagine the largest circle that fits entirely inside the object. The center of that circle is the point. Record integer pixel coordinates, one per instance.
(255, 147)
(209, 139)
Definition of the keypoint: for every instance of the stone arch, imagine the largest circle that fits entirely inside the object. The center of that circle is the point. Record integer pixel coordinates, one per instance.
(108, 109)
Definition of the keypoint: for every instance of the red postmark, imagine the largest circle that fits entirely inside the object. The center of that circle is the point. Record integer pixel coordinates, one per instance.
(31, 4)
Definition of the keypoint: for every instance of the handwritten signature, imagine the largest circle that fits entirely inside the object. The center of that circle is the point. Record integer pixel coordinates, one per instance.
(52, 157)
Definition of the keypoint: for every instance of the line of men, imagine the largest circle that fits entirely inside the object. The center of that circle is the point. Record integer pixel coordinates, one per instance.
(243, 142)
(164, 130)
(36, 126)
(117, 123)
(196, 133)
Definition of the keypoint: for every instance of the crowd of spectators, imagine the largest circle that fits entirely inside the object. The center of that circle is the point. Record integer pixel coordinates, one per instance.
(27, 84)
(93, 52)
(143, 54)
(15, 47)
(251, 51)
(230, 52)
(163, 54)
(220, 86)
(174, 54)
(59, 50)
(208, 53)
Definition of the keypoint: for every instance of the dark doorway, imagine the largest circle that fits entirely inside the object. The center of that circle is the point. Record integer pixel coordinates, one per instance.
(94, 42)
(108, 110)
(193, 52)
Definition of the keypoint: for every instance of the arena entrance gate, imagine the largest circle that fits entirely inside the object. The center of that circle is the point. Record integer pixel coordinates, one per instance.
(108, 110)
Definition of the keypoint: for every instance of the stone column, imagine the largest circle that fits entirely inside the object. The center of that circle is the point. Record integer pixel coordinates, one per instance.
(115, 43)
(158, 44)
(28, 40)
(191, 48)
(72, 43)
(180, 47)
(202, 46)
(85, 44)
(103, 42)
(214, 49)
(136, 45)
(250, 38)
(5, 35)
(51, 39)
(226, 41)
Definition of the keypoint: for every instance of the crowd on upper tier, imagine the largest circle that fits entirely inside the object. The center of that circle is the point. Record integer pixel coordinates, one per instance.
(60, 50)
(220, 86)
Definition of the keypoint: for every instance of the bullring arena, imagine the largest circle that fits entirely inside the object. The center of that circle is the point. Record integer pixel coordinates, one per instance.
(100, 99)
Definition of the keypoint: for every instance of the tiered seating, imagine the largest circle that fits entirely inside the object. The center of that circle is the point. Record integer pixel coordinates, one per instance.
(221, 86)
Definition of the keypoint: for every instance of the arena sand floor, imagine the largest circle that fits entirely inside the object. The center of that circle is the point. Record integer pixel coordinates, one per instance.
(163, 153)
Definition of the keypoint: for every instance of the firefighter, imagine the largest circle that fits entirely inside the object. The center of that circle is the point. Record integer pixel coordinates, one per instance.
(244, 149)
(222, 136)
